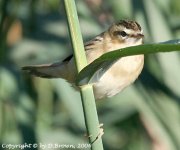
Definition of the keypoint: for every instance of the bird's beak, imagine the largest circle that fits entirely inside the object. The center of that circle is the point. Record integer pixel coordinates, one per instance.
(140, 35)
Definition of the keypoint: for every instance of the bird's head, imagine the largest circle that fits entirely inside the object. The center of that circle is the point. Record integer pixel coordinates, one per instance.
(126, 32)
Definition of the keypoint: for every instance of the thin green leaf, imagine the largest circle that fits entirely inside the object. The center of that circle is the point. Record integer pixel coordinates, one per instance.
(93, 72)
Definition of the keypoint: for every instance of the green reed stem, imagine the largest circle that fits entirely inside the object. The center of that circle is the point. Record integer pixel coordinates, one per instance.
(87, 96)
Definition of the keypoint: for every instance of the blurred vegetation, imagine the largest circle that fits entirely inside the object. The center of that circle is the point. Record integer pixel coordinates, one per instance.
(145, 116)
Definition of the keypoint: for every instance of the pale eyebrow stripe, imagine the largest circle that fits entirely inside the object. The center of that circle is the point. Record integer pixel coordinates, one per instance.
(128, 31)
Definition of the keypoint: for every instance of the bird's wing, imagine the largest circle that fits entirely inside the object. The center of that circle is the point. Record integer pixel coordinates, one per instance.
(55, 70)
(68, 58)
(59, 69)
(95, 42)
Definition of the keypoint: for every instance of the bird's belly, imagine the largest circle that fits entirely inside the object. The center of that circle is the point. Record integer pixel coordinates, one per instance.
(119, 76)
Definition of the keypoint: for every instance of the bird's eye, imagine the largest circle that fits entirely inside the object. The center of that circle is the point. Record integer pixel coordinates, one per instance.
(123, 33)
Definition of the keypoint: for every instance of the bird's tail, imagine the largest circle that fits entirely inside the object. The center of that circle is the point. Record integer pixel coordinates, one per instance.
(55, 70)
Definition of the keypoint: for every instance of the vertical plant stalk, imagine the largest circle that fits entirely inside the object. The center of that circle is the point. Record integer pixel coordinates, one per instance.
(87, 96)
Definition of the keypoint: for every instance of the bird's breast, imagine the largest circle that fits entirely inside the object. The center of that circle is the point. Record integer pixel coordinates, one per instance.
(119, 76)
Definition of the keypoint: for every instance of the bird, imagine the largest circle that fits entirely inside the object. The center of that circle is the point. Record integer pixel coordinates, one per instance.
(121, 34)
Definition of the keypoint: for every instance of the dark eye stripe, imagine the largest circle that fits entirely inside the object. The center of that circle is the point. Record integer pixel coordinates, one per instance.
(121, 33)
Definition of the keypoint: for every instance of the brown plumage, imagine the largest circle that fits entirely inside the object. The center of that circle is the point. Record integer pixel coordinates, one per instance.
(120, 75)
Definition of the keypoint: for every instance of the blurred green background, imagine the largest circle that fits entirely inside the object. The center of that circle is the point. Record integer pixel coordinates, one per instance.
(145, 116)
